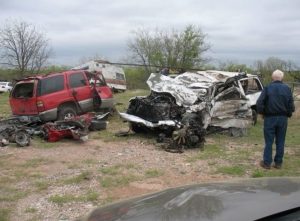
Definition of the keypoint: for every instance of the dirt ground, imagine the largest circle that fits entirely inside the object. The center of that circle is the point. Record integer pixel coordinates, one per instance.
(69, 179)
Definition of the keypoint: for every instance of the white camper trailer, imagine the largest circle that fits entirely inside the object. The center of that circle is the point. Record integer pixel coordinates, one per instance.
(114, 76)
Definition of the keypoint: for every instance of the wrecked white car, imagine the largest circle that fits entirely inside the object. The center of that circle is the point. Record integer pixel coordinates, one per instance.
(188, 106)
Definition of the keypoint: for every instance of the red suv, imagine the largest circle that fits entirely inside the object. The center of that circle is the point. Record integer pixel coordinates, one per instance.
(61, 95)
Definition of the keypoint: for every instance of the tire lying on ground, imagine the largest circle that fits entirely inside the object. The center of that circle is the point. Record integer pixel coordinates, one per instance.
(22, 138)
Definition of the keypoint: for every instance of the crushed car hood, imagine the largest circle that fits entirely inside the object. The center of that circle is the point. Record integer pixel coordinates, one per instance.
(183, 88)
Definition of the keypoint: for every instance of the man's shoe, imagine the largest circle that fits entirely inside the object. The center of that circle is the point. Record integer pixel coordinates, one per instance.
(277, 166)
(263, 165)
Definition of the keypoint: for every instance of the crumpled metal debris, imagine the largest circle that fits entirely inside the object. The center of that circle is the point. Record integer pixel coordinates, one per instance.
(20, 129)
(206, 99)
(76, 128)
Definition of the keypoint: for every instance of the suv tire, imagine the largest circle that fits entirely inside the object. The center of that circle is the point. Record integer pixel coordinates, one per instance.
(66, 112)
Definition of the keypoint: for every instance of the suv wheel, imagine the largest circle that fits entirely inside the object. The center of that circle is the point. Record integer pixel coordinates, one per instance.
(66, 112)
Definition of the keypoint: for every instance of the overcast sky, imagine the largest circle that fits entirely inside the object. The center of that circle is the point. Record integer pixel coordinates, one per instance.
(238, 30)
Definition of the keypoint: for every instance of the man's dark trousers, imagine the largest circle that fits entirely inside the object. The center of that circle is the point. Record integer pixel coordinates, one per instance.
(274, 127)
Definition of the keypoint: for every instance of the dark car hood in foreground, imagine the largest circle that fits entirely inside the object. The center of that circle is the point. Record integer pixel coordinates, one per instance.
(237, 200)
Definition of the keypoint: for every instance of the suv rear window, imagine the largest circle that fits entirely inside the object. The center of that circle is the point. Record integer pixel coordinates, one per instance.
(50, 85)
(23, 90)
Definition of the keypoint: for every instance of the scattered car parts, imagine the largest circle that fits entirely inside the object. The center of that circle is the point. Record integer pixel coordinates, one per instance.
(76, 127)
(19, 130)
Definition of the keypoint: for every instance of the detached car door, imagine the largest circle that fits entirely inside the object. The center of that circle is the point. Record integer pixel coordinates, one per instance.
(81, 91)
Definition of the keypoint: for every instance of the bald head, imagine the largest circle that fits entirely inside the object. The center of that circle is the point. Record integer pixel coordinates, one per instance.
(277, 75)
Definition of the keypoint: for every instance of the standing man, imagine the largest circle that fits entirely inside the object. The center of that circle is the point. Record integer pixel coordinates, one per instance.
(276, 104)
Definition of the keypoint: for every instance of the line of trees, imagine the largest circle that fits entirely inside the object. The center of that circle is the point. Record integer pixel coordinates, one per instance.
(26, 50)
(264, 68)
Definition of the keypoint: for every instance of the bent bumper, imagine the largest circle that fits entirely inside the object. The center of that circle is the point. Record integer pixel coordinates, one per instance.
(138, 120)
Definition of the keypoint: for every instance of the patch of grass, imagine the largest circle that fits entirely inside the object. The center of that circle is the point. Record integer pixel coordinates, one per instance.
(291, 165)
(292, 135)
(232, 170)
(30, 210)
(4, 104)
(107, 200)
(123, 180)
(257, 173)
(212, 163)
(151, 173)
(73, 166)
(130, 166)
(9, 194)
(36, 175)
(83, 176)
(41, 143)
(20, 173)
(117, 169)
(90, 161)
(239, 155)
(113, 170)
(5, 214)
(5, 161)
(89, 196)
(211, 151)
(61, 199)
(254, 135)
(106, 136)
(4, 180)
(35, 162)
(41, 185)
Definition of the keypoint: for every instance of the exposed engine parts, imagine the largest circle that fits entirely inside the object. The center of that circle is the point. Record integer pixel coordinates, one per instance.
(156, 107)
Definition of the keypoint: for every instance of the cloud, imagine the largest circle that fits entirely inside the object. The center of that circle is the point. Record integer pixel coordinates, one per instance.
(237, 30)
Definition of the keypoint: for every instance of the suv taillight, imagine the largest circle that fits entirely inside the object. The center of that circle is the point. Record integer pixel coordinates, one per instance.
(40, 105)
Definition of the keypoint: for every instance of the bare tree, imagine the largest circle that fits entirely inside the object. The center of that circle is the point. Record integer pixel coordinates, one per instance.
(169, 48)
(23, 47)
